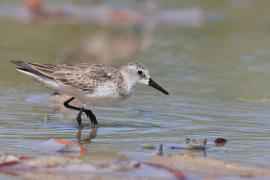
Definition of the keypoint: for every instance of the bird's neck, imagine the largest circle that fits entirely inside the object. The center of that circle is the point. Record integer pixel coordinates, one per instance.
(125, 86)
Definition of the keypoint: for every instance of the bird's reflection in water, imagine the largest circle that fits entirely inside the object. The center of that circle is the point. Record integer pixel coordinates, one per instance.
(91, 135)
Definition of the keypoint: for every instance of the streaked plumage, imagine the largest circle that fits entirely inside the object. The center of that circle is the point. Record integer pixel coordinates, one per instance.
(89, 82)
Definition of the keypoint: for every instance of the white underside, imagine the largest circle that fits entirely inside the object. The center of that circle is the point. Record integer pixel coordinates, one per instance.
(103, 95)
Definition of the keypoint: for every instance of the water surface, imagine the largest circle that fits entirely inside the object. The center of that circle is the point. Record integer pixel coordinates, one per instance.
(217, 76)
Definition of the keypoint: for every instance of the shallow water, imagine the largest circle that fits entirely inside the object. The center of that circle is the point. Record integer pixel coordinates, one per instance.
(217, 76)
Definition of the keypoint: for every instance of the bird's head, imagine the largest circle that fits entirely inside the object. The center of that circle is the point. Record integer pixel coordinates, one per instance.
(137, 73)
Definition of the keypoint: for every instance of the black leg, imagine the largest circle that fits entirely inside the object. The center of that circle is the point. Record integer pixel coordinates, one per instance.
(66, 104)
(92, 117)
(79, 117)
(88, 113)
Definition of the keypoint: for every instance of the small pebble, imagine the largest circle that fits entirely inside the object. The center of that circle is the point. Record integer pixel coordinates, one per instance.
(220, 142)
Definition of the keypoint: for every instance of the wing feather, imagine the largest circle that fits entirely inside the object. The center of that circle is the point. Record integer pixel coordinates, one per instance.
(84, 77)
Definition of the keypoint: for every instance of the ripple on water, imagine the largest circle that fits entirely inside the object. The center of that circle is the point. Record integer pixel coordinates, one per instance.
(34, 120)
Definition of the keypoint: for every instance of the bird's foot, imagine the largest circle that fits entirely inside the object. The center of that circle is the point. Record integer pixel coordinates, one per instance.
(93, 126)
(92, 118)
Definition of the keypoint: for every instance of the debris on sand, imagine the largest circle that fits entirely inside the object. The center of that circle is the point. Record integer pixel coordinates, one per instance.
(209, 169)
(195, 144)
(191, 144)
(156, 167)
(74, 168)
(59, 146)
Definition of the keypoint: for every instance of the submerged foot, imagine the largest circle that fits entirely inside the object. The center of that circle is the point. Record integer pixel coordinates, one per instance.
(94, 126)
(92, 118)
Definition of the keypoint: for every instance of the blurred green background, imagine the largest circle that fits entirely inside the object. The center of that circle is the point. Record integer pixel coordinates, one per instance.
(217, 71)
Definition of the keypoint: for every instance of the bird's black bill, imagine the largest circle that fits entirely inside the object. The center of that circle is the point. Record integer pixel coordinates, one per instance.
(156, 86)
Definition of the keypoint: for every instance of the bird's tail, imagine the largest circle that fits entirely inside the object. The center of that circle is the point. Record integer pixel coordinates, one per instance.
(33, 69)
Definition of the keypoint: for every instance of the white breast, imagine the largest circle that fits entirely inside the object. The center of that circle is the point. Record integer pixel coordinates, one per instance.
(108, 89)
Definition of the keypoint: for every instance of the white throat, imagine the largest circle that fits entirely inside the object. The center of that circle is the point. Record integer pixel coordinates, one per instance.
(130, 82)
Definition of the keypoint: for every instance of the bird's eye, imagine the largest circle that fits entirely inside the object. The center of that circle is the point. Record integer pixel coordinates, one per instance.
(140, 72)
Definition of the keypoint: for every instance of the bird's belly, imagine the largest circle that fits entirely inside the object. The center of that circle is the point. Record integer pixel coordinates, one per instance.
(105, 94)
(108, 90)
(102, 95)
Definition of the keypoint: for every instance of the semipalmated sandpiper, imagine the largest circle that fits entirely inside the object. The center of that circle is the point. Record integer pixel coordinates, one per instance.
(89, 82)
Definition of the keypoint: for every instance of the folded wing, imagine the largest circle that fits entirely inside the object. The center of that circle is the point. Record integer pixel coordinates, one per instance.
(85, 77)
